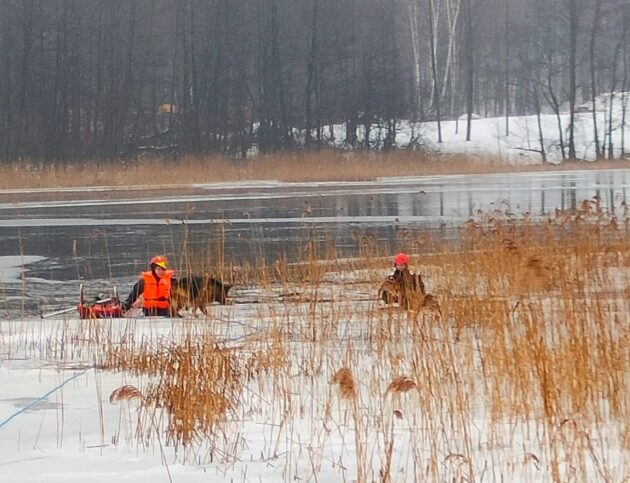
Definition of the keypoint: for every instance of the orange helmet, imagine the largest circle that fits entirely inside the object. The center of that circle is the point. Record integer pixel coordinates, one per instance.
(159, 261)
(401, 259)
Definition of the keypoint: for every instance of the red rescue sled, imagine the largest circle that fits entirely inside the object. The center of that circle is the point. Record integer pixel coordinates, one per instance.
(100, 308)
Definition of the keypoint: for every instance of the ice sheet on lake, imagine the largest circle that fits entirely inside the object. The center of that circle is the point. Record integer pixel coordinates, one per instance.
(13, 266)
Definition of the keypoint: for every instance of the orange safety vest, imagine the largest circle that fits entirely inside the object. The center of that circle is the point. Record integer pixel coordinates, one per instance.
(156, 292)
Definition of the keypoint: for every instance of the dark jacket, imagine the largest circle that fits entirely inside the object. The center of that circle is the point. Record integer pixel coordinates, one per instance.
(408, 282)
(136, 291)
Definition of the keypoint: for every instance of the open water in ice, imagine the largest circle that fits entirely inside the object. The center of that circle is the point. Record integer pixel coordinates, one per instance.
(53, 240)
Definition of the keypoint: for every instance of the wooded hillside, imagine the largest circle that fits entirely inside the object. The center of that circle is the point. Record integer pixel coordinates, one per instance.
(94, 78)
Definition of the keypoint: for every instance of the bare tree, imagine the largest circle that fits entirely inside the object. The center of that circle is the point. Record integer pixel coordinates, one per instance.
(537, 106)
(436, 85)
(312, 76)
(28, 8)
(468, 43)
(624, 89)
(507, 67)
(453, 9)
(618, 51)
(105, 79)
(6, 82)
(416, 47)
(597, 10)
(573, 27)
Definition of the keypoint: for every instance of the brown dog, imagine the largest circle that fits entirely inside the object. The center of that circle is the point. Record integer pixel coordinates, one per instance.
(408, 292)
(196, 292)
(389, 292)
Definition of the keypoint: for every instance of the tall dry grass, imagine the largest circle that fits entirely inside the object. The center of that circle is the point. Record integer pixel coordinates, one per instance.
(522, 373)
(197, 382)
(319, 166)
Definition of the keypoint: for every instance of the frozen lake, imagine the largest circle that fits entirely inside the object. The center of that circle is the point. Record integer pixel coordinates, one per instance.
(53, 240)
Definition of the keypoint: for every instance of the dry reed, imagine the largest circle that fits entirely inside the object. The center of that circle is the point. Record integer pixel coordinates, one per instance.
(530, 343)
(345, 383)
(197, 382)
(125, 393)
(320, 166)
(401, 384)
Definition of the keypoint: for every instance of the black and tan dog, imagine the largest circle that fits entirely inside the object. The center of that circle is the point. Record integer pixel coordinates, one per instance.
(410, 295)
(196, 292)
(408, 291)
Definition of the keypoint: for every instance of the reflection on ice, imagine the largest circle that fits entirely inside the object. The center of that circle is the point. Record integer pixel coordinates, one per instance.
(94, 238)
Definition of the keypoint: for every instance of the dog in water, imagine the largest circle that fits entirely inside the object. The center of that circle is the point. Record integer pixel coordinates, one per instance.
(195, 292)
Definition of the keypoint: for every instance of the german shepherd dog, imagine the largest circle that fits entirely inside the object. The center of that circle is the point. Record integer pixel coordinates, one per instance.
(196, 292)
(408, 292)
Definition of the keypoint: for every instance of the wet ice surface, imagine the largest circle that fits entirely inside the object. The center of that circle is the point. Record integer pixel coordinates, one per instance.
(103, 236)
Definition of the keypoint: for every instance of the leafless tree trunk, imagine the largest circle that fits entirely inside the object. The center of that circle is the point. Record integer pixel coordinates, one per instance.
(537, 106)
(552, 97)
(312, 72)
(367, 96)
(6, 83)
(453, 24)
(274, 129)
(468, 40)
(624, 96)
(415, 49)
(98, 81)
(573, 34)
(594, 28)
(507, 67)
(618, 50)
(436, 85)
(24, 86)
(350, 78)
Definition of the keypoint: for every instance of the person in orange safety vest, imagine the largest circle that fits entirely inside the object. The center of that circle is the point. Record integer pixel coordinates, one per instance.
(154, 287)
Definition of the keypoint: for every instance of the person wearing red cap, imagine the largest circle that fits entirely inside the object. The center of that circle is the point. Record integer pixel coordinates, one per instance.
(410, 285)
(154, 286)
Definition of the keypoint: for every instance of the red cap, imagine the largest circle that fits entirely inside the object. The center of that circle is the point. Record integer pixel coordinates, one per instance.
(401, 259)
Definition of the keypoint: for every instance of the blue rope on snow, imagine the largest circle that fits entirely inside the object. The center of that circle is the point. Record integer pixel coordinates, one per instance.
(45, 396)
(53, 390)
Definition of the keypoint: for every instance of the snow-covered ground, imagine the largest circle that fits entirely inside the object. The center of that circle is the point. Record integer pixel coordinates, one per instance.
(522, 145)
(57, 423)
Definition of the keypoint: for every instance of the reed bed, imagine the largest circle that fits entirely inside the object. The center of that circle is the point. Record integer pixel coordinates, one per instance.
(195, 382)
(520, 371)
(326, 165)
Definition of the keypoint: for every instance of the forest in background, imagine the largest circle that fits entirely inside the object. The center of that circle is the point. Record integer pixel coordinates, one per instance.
(102, 79)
